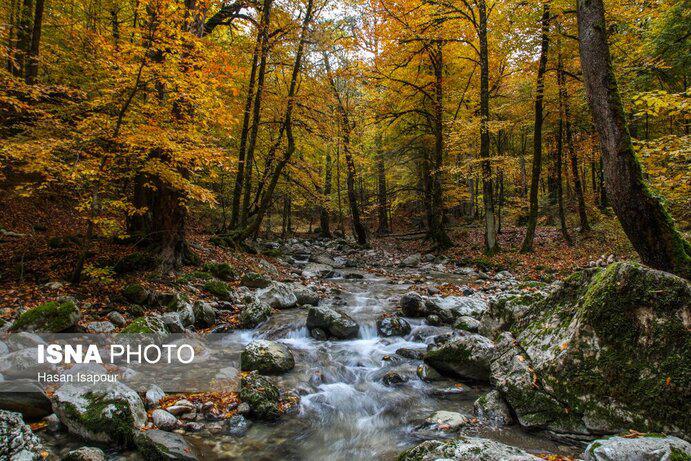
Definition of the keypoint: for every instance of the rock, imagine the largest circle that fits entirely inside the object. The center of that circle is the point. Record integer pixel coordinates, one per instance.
(261, 396)
(51, 317)
(134, 262)
(446, 421)
(117, 318)
(334, 323)
(17, 442)
(323, 259)
(204, 314)
(428, 374)
(186, 314)
(278, 295)
(222, 271)
(107, 413)
(100, 327)
(468, 356)
(393, 326)
(412, 260)
(267, 357)
(238, 425)
(413, 305)
(152, 325)
(164, 420)
(22, 340)
(410, 353)
(172, 322)
(136, 294)
(313, 270)
(154, 395)
(465, 449)
(219, 289)
(652, 447)
(23, 364)
(433, 320)
(305, 295)
(391, 378)
(157, 445)
(608, 344)
(254, 280)
(25, 397)
(253, 314)
(318, 334)
(85, 454)
(467, 323)
(354, 276)
(491, 409)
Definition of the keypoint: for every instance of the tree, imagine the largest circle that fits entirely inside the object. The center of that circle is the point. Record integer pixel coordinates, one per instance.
(645, 221)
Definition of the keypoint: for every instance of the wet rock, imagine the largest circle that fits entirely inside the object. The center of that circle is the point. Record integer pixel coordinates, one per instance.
(433, 320)
(414, 354)
(17, 442)
(491, 409)
(238, 425)
(117, 318)
(468, 356)
(609, 344)
(393, 326)
(254, 280)
(413, 305)
(172, 322)
(52, 317)
(100, 327)
(161, 445)
(334, 323)
(428, 374)
(107, 413)
(465, 449)
(85, 454)
(652, 447)
(253, 314)
(354, 276)
(164, 420)
(154, 395)
(412, 260)
(267, 357)
(446, 421)
(323, 271)
(261, 395)
(183, 409)
(204, 314)
(25, 397)
(467, 323)
(391, 378)
(305, 295)
(186, 314)
(318, 334)
(278, 295)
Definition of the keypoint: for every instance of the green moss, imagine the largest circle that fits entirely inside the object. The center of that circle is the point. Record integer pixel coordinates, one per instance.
(144, 325)
(53, 316)
(222, 271)
(135, 262)
(218, 289)
(135, 293)
(678, 455)
(195, 276)
(272, 252)
(105, 416)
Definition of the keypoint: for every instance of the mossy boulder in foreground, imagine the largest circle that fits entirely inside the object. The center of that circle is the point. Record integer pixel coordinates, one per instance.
(261, 395)
(606, 352)
(51, 317)
(465, 449)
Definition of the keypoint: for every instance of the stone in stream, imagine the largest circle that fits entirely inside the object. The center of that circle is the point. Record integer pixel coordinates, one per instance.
(648, 447)
(85, 454)
(412, 261)
(306, 296)
(335, 323)
(467, 356)
(446, 421)
(204, 314)
(465, 449)
(313, 270)
(52, 317)
(25, 396)
(157, 445)
(100, 327)
(107, 413)
(17, 441)
(278, 295)
(412, 305)
(154, 394)
(164, 420)
(391, 378)
(467, 323)
(238, 425)
(393, 326)
(253, 314)
(611, 345)
(410, 353)
(261, 395)
(254, 280)
(267, 357)
(428, 374)
(491, 409)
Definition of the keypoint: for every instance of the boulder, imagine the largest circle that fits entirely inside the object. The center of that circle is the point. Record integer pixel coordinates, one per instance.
(172, 322)
(85, 454)
(157, 445)
(254, 280)
(334, 323)
(51, 317)
(306, 296)
(219, 289)
(467, 356)
(428, 374)
(391, 378)
(261, 395)
(152, 325)
(222, 271)
(412, 261)
(164, 420)
(605, 351)
(253, 314)
(100, 327)
(204, 314)
(446, 420)
(648, 447)
(136, 293)
(278, 295)
(465, 449)
(154, 394)
(107, 413)
(313, 270)
(467, 323)
(17, 442)
(238, 425)
(266, 357)
(490, 409)
(412, 305)
(25, 397)
(117, 318)
(393, 326)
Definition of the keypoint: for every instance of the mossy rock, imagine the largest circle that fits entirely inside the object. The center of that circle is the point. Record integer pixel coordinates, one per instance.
(158, 445)
(261, 395)
(222, 271)
(272, 252)
(219, 289)
(254, 280)
(53, 316)
(195, 276)
(135, 262)
(145, 326)
(135, 293)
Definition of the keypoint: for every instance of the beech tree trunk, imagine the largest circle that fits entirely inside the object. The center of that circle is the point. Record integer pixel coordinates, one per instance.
(558, 166)
(32, 58)
(382, 210)
(324, 218)
(527, 245)
(645, 221)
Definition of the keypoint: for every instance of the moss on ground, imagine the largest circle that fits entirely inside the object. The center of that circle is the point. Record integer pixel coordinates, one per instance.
(53, 316)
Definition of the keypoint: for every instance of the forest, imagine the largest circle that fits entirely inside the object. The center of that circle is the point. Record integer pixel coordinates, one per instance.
(391, 229)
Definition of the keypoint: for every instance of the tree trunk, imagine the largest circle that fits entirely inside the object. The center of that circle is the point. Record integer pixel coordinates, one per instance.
(383, 214)
(645, 221)
(324, 224)
(558, 166)
(491, 243)
(537, 135)
(32, 69)
(24, 34)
